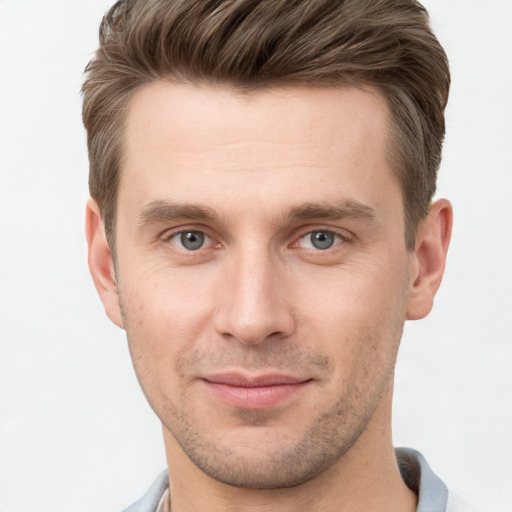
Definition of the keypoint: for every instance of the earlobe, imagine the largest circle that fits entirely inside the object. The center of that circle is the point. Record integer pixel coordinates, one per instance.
(101, 264)
(433, 239)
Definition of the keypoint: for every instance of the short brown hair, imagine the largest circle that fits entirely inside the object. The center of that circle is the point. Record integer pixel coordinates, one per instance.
(251, 44)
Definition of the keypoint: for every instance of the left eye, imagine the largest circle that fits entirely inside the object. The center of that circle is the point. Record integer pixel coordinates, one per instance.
(320, 240)
(190, 240)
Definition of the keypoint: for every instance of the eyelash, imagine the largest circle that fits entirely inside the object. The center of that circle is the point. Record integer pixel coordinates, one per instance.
(343, 237)
(168, 238)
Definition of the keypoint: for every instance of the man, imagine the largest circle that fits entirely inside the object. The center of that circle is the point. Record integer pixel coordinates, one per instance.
(262, 225)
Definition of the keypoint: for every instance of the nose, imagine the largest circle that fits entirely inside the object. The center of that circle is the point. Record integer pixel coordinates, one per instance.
(252, 305)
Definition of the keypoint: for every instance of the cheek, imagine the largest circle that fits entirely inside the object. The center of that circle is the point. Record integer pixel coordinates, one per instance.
(356, 310)
(163, 298)
(366, 291)
(163, 319)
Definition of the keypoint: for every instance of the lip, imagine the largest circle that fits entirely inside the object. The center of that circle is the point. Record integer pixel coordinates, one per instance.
(254, 391)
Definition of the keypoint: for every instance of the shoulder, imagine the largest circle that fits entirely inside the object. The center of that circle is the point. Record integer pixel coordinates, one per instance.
(433, 495)
(149, 502)
(431, 491)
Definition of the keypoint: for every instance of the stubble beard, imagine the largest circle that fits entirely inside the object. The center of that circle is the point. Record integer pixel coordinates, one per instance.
(278, 462)
(276, 465)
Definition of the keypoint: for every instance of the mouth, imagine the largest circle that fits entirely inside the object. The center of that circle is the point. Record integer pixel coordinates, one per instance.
(254, 391)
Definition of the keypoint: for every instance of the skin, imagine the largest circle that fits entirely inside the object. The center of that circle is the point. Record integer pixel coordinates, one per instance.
(257, 174)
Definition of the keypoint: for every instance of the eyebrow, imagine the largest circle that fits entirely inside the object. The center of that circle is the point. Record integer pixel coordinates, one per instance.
(164, 211)
(348, 209)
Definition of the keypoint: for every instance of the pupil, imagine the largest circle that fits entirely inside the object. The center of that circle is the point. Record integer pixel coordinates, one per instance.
(192, 240)
(322, 239)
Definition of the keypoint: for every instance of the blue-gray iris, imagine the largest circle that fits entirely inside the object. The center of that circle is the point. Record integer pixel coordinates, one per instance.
(322, 239)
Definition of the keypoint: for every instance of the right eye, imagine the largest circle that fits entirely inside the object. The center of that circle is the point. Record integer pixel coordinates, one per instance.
(190, 240)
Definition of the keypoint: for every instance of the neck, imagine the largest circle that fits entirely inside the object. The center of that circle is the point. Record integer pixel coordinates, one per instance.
(366, 478)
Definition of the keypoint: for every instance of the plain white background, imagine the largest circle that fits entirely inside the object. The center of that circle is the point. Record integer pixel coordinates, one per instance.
(76, 433)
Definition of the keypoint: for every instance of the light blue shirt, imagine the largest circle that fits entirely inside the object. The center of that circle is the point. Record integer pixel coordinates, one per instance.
(432, 492)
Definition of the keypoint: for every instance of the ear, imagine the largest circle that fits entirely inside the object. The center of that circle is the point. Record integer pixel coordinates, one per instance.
(101, 264)
(429, 259)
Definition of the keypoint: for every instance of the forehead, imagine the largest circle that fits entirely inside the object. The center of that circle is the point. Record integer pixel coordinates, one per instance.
(301, 114)
(289, 140)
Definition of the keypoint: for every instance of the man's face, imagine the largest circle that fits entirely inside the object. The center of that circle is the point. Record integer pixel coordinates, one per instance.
(262, 273)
